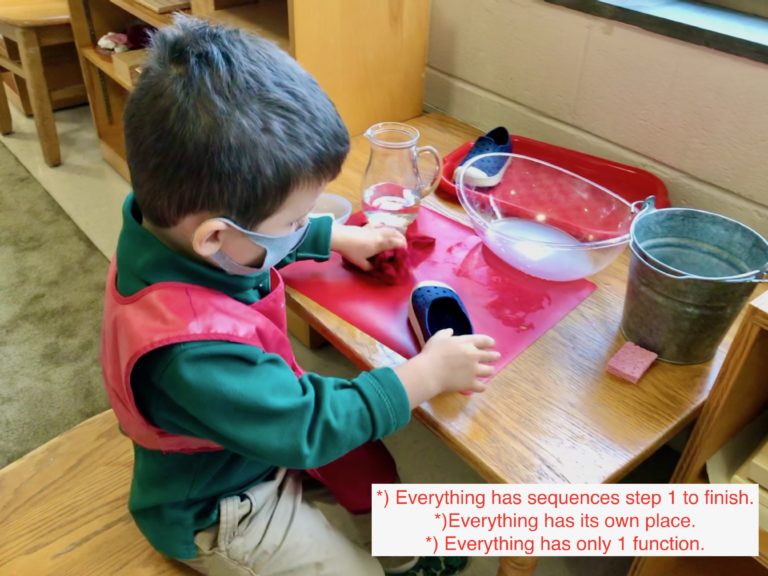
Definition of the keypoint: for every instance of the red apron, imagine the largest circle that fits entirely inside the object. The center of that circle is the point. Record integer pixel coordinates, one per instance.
(169, 313)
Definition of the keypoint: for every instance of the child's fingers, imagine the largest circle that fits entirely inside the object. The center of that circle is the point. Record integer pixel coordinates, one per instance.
(389, 239)
(488, 356)
(478, 386)
(364, 265)
(479, 340)
(484, 370)
(442, 334)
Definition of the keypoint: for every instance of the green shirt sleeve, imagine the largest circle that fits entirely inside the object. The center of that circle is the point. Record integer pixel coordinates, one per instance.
(252, 403)
(317, 244)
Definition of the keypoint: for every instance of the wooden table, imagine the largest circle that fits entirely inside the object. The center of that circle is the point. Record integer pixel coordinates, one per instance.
(552, 415)
(38, 50)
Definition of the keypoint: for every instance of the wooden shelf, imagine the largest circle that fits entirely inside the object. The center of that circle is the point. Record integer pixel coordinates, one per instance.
(114, 155)
(763, 547)
(267, 18)
(103, 63)
(145, 14)
(107, 95)
(738, 396)
(345, 44)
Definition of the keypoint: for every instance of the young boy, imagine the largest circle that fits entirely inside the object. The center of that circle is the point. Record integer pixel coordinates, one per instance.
(229, 145)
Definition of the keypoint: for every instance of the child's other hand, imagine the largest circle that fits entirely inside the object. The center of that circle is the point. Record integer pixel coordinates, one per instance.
(357, 244)
(460, 362)
(448, 363)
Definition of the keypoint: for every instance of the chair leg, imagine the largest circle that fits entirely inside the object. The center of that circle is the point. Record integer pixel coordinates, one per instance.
(6, 125)
(40, 99)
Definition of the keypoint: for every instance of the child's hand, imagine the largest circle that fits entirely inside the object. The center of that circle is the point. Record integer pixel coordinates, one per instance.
(448, 363)
(459, 362)
(357, 244)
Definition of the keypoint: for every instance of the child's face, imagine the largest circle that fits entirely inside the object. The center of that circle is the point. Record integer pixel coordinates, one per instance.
(292, 215)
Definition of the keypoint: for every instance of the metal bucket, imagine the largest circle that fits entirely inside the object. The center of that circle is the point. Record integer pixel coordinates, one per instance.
(690, 274)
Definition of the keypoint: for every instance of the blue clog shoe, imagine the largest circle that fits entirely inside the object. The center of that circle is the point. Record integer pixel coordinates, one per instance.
(486, 171)
(435, 306)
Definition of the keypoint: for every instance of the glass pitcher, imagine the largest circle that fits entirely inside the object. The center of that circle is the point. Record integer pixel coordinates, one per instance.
(393, 186)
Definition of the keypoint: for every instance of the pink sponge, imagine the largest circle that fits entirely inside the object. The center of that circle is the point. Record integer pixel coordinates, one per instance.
(631, 362)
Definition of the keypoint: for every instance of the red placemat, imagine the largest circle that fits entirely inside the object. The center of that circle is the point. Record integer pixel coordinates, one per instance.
(512, 307)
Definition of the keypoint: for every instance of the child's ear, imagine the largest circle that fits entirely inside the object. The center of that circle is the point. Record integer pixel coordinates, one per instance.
(207, 237)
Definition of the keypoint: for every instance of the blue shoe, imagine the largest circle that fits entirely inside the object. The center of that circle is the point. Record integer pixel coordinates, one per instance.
(435, 306)
(486, 171)
(435, 566)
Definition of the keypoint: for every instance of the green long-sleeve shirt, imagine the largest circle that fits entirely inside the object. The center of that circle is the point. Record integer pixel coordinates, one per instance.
(245, 399)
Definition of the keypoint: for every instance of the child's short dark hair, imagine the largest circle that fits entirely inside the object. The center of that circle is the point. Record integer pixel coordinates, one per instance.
(225, 122)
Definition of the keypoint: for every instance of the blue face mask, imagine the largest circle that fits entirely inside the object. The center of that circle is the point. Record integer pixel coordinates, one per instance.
(275, 247)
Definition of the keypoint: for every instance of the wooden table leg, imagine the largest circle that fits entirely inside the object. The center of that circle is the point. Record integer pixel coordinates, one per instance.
(6, 125)
(32, 63)
(303, 332)
(517, 566)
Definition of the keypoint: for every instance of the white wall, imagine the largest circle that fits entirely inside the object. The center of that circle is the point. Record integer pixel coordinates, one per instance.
(696, 117)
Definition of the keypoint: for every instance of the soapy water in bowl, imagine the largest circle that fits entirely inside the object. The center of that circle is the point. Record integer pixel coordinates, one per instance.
(528, 246)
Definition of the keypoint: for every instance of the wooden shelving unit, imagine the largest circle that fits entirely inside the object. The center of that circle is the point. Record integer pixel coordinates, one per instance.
(739, 395)
(368, 55)
(103, 63)
(266, 18)
(145, 14)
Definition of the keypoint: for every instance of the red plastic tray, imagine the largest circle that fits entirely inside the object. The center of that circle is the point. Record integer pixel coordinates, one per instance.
(631, 183)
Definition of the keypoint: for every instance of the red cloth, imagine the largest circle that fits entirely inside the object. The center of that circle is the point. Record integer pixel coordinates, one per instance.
(393, 267)
(139, 35)
(350, 477)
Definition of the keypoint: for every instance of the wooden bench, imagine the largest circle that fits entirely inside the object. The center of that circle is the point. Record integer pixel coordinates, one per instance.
(64, 509)
(38, 52)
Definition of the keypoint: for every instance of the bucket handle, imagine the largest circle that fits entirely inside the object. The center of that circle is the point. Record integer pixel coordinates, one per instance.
(758, 278)
(640, 206)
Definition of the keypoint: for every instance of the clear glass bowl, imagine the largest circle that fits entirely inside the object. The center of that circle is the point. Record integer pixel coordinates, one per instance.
(544, 220)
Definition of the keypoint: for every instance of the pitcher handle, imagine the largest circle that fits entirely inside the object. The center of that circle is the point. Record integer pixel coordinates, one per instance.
(438, 167)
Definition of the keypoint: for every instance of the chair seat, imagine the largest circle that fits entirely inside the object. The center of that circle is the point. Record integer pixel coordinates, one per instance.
(34, 13)
(65, 508)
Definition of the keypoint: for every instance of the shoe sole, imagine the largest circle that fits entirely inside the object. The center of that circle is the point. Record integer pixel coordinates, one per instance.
(412, 313)
(486, 182)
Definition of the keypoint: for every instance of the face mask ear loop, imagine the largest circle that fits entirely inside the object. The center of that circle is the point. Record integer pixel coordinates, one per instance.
(229, 266)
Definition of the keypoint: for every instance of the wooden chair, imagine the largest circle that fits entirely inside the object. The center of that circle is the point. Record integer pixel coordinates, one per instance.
(64, 509)
(27, 27)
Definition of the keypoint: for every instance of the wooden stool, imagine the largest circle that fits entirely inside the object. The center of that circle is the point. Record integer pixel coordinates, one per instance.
(27, 27)
(64, 508)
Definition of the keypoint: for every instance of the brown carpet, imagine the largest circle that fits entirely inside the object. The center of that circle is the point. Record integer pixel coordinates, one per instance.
(51, 282)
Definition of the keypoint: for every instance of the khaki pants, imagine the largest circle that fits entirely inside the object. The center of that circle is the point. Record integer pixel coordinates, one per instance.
(270, 530)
